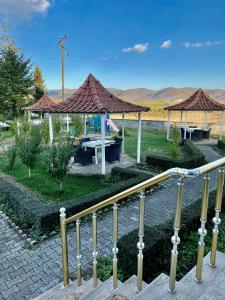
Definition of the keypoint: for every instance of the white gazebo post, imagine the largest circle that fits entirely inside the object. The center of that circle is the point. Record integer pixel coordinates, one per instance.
(206, 120)
(103, 142)
(85, 126)
(185, 129)
(221, 125)
(50, 128)
(67, 123)
(29, 113)
(168, 125)
(123, 134)
(139, 139)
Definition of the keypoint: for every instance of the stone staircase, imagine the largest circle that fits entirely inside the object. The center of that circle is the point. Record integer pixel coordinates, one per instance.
(211, 287)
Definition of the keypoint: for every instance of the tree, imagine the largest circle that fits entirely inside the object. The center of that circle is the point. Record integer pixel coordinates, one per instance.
(58, 162)
(39, 86)
(16, 83)
(28, 146)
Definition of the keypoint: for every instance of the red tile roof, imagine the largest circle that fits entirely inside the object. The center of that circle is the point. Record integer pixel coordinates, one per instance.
(92, 97)
(199, 101)
(43, 103)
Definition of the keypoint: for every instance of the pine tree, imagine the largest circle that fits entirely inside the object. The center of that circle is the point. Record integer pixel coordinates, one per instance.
(16, 82)
(38, 83)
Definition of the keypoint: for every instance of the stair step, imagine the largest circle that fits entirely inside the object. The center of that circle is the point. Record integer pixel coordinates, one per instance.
(128, 289)
(51, 292)
(101, 292)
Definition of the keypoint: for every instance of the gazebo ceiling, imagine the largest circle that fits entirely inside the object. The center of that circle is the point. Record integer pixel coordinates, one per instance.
(43, 103)
(92, 97)
(199, 101)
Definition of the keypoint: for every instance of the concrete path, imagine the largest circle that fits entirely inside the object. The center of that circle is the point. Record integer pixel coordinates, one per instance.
(26, 273)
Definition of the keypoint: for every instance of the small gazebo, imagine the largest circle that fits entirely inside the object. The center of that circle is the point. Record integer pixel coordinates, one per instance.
(43, 103)
(93, 98)
(200, 102)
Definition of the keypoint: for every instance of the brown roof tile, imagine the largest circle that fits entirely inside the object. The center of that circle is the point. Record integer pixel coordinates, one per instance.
(92, 97)
(199, 101)
(43, 103)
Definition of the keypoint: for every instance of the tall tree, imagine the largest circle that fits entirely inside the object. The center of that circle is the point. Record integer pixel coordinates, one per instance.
(16, 82)
(39, 86)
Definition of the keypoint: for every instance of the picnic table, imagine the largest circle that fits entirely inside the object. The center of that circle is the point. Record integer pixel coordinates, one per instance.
(97, 145)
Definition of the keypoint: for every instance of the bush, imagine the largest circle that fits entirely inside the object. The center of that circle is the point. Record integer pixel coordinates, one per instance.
(221, 145)
(125, 132)
(57, 124)
(174, 148)
(78, 125)
(11, 155)
(41, 215)
(193, 158)
(44, 127)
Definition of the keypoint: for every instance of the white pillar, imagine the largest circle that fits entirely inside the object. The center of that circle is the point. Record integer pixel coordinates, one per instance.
(139, 139)
(185, 129)
(206, 120)
(103, 143)
(168, 125)
(67, 123)
(29, 119)
(85, 126)
(221, 125)
(50, 128)
(123, 134)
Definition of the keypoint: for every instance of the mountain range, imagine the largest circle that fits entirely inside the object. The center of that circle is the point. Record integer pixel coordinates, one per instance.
(141, 95)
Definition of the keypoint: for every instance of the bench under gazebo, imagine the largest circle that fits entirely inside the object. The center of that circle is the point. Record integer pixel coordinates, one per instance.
(198, 102)
(92, 98)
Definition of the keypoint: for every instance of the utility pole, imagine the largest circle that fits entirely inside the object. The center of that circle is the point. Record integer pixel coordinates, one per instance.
(61, 43)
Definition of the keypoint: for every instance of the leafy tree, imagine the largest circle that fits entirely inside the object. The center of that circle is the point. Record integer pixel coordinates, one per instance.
(16, 83)
(58, 162)
(174, 148)
(39, 86)
(11, 155)
(77, 125)
(28, 146)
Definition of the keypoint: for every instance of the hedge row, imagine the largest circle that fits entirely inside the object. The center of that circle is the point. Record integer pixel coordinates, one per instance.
(193, 158)
(221, 145)
(41, 215)
(158, 244)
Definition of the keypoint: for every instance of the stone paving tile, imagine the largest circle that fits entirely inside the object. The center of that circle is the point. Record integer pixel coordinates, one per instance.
(26, 273)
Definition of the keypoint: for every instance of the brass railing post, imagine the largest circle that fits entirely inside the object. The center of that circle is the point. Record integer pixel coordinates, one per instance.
(216, 219)
(63, 229)
(202, 231)
(78, 256)
(175, 238)
(140, 244)
(94, 253)
(115, 249)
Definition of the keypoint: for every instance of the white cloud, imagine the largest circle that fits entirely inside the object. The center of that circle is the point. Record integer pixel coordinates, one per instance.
(140, 48)
(24, 9)
(201, 44)
(166, 44)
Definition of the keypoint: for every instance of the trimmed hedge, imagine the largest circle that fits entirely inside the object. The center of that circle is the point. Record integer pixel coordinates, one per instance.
(221, 145)
(194, 158)
(35, 212)
(158, 244)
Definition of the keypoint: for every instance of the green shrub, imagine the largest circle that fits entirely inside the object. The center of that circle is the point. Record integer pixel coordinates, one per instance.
(11, 155)
(44, 127)
(125, 132)
(58, 161)
(57, 124)
(78, 125)
(174, 148)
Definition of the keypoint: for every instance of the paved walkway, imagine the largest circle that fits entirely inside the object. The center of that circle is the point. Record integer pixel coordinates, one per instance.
(26, 273)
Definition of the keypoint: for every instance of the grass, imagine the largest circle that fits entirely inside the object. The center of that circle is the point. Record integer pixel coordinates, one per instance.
(152, 141)
(75, 186)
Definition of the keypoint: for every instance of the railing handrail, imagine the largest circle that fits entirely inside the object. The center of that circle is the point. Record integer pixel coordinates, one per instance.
(148, 183)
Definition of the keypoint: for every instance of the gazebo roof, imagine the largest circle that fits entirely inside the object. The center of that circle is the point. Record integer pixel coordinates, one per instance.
(199, 101)
(43, 103)
(92, 97)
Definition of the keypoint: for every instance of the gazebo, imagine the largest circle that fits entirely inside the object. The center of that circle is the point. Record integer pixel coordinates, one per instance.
(44, 102)
(93, 98)
(199, 101)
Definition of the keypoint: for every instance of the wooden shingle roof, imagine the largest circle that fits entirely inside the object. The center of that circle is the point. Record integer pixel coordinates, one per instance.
(199, 101)
(92, 97)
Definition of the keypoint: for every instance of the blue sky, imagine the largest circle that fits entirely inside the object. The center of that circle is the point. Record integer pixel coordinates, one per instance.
(126, 43)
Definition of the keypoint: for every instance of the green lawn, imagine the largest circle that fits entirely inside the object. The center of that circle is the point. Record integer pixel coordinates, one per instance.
(74, 186)
(152, 142)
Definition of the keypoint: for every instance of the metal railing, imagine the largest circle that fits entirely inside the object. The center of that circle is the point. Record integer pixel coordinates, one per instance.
(178, 173)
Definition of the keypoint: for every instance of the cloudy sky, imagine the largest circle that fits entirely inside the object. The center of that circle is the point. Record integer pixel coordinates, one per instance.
(124, 43)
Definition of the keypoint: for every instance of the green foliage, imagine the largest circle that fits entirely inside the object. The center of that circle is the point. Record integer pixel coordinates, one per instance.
(57, 124)
(16, 82)
(44, 127)
(39, 86)
(58, 161)
(28, 146)
(125, 132)
(78, 125)
(111, 179)
(11, 155)
(105, 270)
(174, 148)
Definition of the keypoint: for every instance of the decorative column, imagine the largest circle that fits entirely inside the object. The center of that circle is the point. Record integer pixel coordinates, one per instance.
(168, 125)
(139, 139)
(115, 249)
(140, 244)
(103, 143)
(123, 142)
(94, 253)
(63, 230)
(50, 128)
